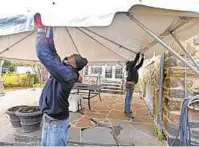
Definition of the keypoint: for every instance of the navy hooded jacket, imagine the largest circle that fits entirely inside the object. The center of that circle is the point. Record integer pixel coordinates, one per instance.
(54, 97)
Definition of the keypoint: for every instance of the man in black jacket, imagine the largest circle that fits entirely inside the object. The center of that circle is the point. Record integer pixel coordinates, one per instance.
(54, 98)
(132, 69)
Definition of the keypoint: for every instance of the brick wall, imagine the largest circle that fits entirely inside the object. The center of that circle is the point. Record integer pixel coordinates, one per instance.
(174, 94)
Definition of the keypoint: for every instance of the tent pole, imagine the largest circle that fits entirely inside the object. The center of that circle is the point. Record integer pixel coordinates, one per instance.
(1, 67)
(163, 44)
(72, 40)
(111, 41)
(184, 49)
(172, 27)
(185, 79)
(100, 43)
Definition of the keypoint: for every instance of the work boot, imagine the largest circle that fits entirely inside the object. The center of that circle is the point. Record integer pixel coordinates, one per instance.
(129, 115)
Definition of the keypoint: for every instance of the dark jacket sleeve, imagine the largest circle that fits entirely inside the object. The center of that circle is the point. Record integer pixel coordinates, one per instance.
(50, 38)
(134, 62)
(141, 63)
(48, 56)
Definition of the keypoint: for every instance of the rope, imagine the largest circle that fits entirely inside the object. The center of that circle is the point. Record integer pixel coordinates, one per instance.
(184, 128)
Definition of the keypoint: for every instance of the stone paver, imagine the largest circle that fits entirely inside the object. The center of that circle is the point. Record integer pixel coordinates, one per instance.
(119, 115)
(98, 136)
(146, 128)
(101, 106)
(74, 135)
(143, 120)
(74, 116)
(127, 134)
(119, 106)
(84, 122)
(96, 115)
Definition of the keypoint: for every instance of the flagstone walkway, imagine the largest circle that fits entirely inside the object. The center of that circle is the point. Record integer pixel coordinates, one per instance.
(104, 125)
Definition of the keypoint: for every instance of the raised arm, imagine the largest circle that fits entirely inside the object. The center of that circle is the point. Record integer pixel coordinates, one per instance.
(50, 37)
(47, 54)
(134, 62)
(141, 62)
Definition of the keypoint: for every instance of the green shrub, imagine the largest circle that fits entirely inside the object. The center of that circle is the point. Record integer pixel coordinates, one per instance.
(34, 76)
(19, 80)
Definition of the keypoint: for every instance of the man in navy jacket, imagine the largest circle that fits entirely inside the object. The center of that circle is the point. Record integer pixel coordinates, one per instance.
(54, 98)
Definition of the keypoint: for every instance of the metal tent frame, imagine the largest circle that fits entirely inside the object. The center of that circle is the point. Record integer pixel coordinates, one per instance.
(164, 44)
(187, 103)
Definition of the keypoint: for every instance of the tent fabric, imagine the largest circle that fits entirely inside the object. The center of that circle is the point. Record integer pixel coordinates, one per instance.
(161, 17)
(86, 12)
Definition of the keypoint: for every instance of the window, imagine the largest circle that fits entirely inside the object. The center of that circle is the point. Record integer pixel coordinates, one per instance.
(86, 70)
(108, 72)
(96, 70)
(118, 73)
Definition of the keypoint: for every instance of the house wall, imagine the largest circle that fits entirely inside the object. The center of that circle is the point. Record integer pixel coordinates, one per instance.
(178, 82)
(24, 69)
(102, 75)
(149, 83)
(174, 93)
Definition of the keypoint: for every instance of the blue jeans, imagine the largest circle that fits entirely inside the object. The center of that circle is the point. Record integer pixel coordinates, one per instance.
(54, 132)
(128, 99)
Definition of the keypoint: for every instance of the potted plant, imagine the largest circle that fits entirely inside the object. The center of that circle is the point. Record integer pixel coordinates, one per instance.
(30, 118)
(15, 121)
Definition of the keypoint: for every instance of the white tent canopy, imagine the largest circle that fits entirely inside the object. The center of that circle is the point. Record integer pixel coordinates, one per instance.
(89, 20)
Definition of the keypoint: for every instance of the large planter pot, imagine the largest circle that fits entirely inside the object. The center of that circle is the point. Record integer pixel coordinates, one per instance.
(30, 118)
(15, 121)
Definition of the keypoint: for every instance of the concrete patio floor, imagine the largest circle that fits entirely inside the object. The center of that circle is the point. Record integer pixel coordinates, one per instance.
(104, 125)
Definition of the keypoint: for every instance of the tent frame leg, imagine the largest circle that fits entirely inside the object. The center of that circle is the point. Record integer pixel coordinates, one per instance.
(185, 50)
(164, 44)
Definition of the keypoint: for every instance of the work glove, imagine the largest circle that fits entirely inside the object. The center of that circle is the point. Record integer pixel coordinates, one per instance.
(38, 21)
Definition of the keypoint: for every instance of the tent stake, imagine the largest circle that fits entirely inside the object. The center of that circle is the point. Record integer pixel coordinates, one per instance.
(163, 44)
(184, 49)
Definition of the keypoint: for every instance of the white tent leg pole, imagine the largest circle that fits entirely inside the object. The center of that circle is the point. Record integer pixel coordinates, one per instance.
(164, 44)
(1, 68)
(184, 49)
(185, 79)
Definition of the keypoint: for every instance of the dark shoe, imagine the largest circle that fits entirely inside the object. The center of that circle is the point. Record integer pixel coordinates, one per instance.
(130, 115)
(129, 112)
